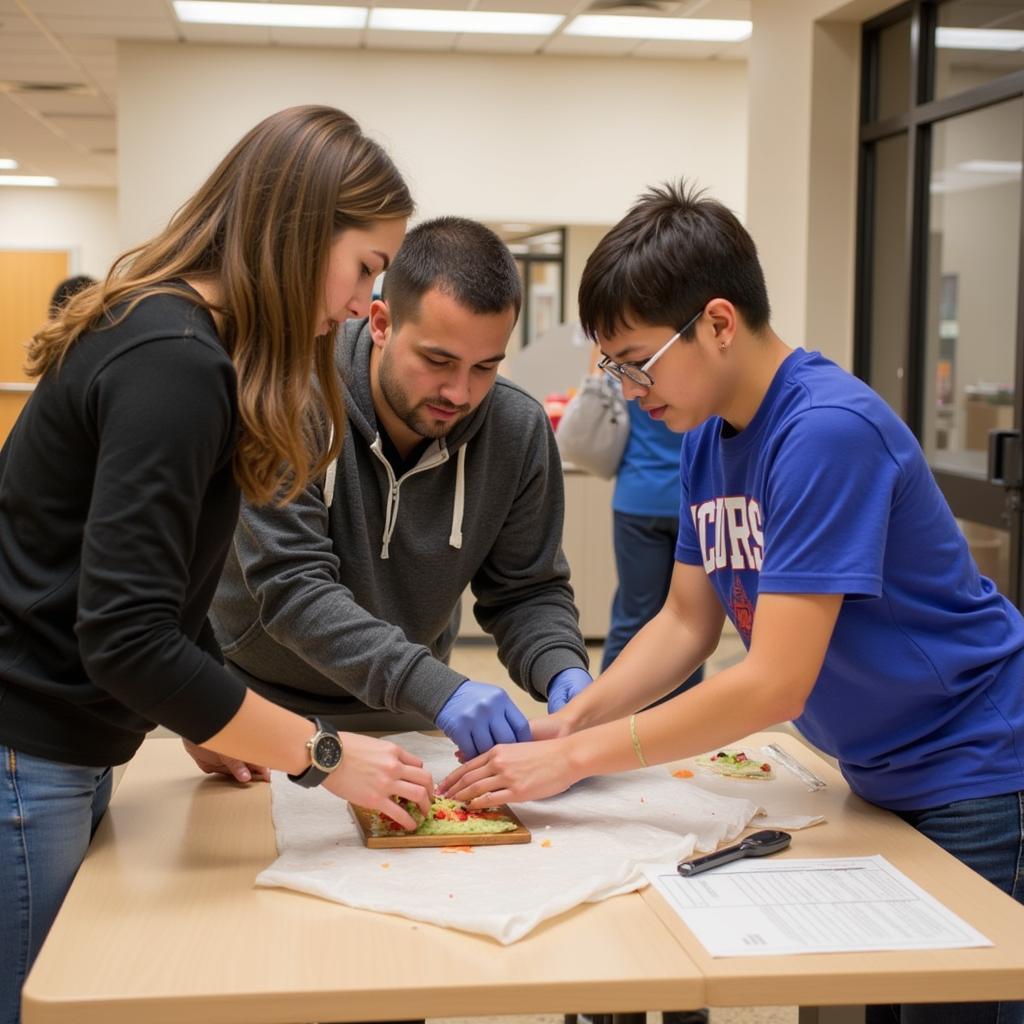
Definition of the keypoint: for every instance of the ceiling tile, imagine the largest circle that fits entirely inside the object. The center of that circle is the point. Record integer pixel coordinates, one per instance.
(347, 38)
(70, 104)
(593, 46)
(531, 6)
(381, 39)
(87, 46)
(90, 132)
(258, 35)
(477, 42)
(120, 9)
(115, 28)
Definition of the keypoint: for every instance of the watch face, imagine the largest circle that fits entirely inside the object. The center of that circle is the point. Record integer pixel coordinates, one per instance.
(327, 753)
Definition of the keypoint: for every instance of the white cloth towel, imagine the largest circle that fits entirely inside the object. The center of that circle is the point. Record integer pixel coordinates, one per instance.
(588, 844)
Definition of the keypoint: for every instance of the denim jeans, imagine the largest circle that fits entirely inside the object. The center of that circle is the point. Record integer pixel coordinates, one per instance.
(645, 555)
(987, 834)
(48, 813)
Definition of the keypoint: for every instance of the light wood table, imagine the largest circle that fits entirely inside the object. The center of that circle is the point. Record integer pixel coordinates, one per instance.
(163, 924)
(856, 828)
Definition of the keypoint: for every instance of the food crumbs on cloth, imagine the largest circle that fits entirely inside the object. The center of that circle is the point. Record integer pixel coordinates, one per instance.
(547, 842)
(683, 773)
(456, 849)
(451, 895)
(385, 865)
(642, 800)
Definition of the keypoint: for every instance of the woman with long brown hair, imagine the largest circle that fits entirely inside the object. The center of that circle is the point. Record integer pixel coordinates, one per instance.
(200, 368)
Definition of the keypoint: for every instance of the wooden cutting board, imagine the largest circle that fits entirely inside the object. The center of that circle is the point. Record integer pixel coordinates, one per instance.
(399, 840)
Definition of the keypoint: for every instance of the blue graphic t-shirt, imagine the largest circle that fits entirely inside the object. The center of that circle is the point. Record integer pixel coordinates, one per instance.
(647, 483)
(921, 696)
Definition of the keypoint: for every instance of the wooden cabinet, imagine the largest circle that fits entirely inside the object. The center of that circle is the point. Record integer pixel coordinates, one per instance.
(587, 540)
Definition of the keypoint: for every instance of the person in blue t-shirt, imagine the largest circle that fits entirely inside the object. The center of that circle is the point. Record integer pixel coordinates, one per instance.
(810, 517)
(645, 525)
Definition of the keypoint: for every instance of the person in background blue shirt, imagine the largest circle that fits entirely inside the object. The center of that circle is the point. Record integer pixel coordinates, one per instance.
(810, 516)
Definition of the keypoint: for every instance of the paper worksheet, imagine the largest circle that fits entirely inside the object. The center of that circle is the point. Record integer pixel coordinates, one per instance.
(780, 907)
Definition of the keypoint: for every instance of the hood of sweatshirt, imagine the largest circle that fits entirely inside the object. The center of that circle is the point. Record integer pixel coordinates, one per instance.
(352, 356)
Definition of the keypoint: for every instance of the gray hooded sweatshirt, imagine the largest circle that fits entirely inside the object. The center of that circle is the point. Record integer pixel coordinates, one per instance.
(348, 598)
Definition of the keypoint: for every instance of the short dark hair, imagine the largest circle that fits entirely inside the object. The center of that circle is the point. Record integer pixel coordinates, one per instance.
(68, 288)
(461, 258)
(670, 255)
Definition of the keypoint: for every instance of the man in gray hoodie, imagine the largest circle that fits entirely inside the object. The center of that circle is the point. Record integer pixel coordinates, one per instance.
(345, 603)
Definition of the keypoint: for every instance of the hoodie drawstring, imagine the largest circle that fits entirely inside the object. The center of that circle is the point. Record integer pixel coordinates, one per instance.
(455, 540)
(332, 474)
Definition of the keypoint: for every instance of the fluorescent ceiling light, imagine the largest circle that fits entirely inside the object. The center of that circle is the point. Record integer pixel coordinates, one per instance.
(215, 12)
(6, 164)
(628, 27)
(991, 166)
(401, 19)
(979, 38)
(30, 180)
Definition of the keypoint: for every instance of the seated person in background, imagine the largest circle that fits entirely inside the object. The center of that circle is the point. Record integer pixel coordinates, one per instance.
(346, 601)
(811, 518)
(69, 287)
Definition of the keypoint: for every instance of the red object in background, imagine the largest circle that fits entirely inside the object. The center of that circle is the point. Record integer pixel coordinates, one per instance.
(554, 406)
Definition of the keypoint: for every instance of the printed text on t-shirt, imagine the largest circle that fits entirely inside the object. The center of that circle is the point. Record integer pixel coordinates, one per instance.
(729, 531)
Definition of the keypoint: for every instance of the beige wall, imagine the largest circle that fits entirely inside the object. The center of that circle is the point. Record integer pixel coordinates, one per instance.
(83, 221)
(802, 157)
(552, 140)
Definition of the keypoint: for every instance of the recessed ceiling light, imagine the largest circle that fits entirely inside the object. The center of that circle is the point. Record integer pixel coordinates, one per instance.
(29, 180)
(400, 19)
(711, 30)
(979, 38)
(215, 12)
(6, 164)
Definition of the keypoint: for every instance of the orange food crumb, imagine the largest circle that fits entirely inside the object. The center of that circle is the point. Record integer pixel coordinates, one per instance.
(547, 842)
(683, 773)
(385, 865)
(456, 849)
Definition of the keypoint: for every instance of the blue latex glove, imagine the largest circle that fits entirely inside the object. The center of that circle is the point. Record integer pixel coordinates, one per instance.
(477, 716)
(564, 686)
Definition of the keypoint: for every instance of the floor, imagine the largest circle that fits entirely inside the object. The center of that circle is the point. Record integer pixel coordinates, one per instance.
(478, 660)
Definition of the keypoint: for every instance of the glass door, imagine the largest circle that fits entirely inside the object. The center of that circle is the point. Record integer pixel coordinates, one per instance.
(939, 318)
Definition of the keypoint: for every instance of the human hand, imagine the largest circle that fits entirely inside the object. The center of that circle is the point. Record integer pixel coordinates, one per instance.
(512, 773)
(565, 685)
(213, 763)
(550, 727)
(373, 772)
(477, 716)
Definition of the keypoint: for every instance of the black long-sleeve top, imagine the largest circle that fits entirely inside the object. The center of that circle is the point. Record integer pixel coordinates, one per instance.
(117, 507)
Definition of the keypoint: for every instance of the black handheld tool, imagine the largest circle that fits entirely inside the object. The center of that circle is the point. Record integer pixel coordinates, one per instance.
(758, 844)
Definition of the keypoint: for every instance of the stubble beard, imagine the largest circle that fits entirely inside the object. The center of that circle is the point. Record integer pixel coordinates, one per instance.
(415, 417)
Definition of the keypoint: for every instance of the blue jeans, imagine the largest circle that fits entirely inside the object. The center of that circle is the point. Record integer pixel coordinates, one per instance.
(48, 813)
(645, 555)
(987, 834)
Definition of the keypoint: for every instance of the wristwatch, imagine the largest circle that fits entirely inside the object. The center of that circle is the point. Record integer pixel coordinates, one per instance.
(325, 751)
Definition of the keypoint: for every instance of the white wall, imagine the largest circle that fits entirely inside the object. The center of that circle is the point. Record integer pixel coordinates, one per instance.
(549, 140)
(82, 220)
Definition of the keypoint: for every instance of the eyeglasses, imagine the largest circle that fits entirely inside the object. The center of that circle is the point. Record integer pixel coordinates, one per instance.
(638, 374)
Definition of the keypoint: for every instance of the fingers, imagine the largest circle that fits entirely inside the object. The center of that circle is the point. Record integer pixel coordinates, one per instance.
(397, 813)
(456, 777)
(517, 720)
(238, 770)
(417, 794)
(491, 798)
(501, 729)
(406, 758)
